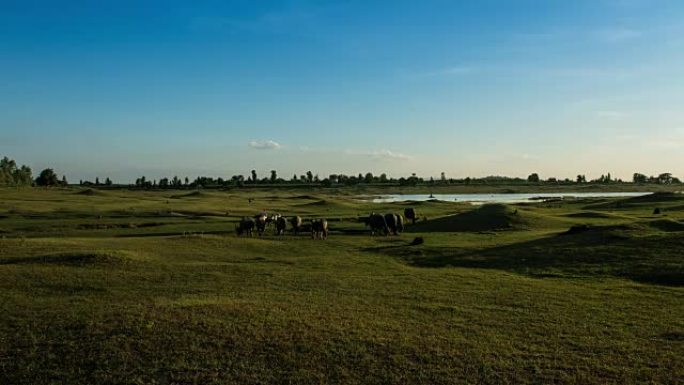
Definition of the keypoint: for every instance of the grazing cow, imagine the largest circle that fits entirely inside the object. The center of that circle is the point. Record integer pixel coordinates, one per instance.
(391, 220)
(261, 220)
(400, 224)
(280, 225)
(410, 214)
(245, 226)
(377, 224)
(296, 222)
(319, 229)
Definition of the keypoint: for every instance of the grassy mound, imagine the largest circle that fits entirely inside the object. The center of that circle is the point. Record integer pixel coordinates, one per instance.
(491, 217)
(194, 194)
(644, 200)
(89, 192)
(589, 215)
(667, 225)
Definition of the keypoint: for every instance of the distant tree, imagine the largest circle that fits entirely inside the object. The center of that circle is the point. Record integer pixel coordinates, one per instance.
(97, 181)
(108, 182)
(309, 176)
(274, 176)
(254, 176)
(333, 179)
(383, 178)
(294, 178)
(10, 174)
(665, 178)
(64, 180)
(581, 179)
(533, 178)
(47, 177)
(639, 178)
(187, 181)
(368, 178)
(442, 177)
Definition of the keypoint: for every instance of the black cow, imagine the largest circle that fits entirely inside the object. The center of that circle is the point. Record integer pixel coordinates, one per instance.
(410, 214)
(280, 225)
(296, 222)
(391, 220)
(377, 224)
(245, 226)
(319, 229)
(400, 224)
(261, 220)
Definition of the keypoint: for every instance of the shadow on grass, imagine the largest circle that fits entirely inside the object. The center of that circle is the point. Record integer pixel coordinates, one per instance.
(69, 259)
(613, 251)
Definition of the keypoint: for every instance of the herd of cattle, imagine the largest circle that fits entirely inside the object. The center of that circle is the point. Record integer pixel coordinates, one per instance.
(383, 224)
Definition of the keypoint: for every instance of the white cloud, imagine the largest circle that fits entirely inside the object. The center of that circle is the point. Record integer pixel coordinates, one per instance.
(381, 154)
(264, 145)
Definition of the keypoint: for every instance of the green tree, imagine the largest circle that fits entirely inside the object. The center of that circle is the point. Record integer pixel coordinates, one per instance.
(533, 178)
(639, 178)
(47, 177)
(274, 176)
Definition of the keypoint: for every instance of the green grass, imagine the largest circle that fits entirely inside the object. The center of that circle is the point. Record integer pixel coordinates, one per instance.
(126, 287)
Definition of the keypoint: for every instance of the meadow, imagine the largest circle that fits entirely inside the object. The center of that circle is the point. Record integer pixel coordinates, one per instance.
(154, 287)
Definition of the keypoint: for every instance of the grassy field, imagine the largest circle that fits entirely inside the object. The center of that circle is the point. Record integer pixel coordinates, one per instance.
(148, 287)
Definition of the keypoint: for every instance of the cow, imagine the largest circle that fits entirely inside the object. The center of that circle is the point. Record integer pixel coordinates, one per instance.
(280, 225)
(377, 224)
(296, 222)
(261, 220)
(400, 224)
(319, 229)
(410, 214)
(391, 220)
(245, 226)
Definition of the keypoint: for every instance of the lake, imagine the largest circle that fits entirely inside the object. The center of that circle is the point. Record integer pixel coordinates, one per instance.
(503, 198)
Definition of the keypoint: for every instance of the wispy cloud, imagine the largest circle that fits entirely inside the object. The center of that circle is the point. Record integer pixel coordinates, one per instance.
(264, 145)
(381, 154)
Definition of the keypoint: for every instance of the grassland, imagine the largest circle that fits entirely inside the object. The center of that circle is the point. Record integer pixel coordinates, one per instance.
(148, 287)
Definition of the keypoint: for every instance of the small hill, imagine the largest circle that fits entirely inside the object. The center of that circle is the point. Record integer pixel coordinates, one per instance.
(490, 217)
(589, 215)
(666, 225)
(194, 194)
(644, 200)
(89, 192)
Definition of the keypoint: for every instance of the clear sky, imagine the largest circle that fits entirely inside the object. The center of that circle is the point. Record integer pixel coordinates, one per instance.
(472, 88)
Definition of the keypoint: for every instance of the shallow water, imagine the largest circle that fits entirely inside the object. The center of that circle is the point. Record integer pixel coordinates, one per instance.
(503, 198)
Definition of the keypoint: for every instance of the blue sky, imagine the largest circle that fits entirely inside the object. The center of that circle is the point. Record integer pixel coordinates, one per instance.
(471, 88)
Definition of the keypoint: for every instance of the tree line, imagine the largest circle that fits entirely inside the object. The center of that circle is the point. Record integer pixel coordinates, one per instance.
(11, 174)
